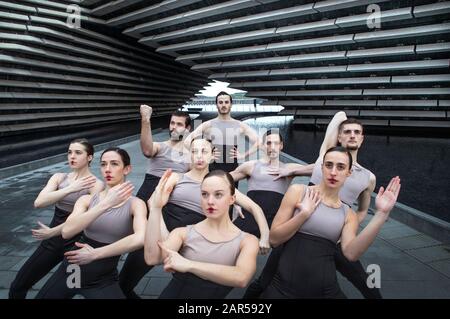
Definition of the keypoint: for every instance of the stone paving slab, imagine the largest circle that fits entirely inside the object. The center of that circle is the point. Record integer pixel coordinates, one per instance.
(413, 265)
(443, 266)
(414, 242)
(429, 254)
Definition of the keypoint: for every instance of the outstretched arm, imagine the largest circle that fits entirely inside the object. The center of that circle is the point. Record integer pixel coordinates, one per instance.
(249, 205)
(331, 135)
(238, 275)
(353, 246)
(291, 170)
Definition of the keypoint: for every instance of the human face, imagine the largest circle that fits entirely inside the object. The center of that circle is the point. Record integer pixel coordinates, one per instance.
(223, 104)
(201, 154)
(216, 197)
(113, 169)
(77, 156)
(177, 128)
(273, 146)
(351, 136)
(335, 169)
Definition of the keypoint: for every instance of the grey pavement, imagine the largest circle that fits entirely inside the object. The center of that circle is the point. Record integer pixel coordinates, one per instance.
(412, 264)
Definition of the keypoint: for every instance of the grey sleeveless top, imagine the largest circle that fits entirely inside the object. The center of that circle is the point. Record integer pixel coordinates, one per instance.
(354, 185)
(68, 202)
(325, 222)
(224, 132)
(187, 193)
(167, 158)
(261, 180)
(113, 225)
(196, 247)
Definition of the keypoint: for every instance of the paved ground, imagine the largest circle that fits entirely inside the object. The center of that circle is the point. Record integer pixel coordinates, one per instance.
(412, 264)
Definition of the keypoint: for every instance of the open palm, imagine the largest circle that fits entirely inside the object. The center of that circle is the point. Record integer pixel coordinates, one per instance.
(386, 198)
(161, 195)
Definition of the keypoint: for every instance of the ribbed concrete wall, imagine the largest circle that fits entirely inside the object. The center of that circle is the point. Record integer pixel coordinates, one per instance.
(54, 78)
(313, 57)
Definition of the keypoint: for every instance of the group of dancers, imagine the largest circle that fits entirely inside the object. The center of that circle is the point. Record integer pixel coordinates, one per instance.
(189, 216)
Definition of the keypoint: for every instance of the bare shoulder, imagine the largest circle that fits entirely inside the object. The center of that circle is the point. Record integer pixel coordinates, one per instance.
(84, 200)
(137, 204)
(58, 177)
(351, 216)
(250, 241)
(247, 167)
(206, 124)
(174, 178)
(180, 232)
(296, 188)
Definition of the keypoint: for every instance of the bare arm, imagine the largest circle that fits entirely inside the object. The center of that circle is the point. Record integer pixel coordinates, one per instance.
(235, 276)
(196, 133)
(300, 170)
(50, 194)
(148, 147)
(131, 242)
(331, 135)
(290, 170)
(364, 199)
(242, 171)
(87, 254)
(154, 254)
(45, 232)
(284, 226)
(82, 216)
(156, 230)
(353, 246)
(253, 138)
(249, 205)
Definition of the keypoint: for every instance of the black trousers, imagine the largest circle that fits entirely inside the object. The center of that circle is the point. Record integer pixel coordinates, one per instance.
(189, 286)
(269, 202)
(135, 268)
(99, 279)
(352, 270)
(306, 269)
(225, 163)
(49, 253)
(355, 273)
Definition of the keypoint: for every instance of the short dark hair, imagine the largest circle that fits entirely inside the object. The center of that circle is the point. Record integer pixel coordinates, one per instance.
(350, 121)
(342, 150)
(123, 154)
(221, 173)
(187, 118)
(224, 93)
(270, 132)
